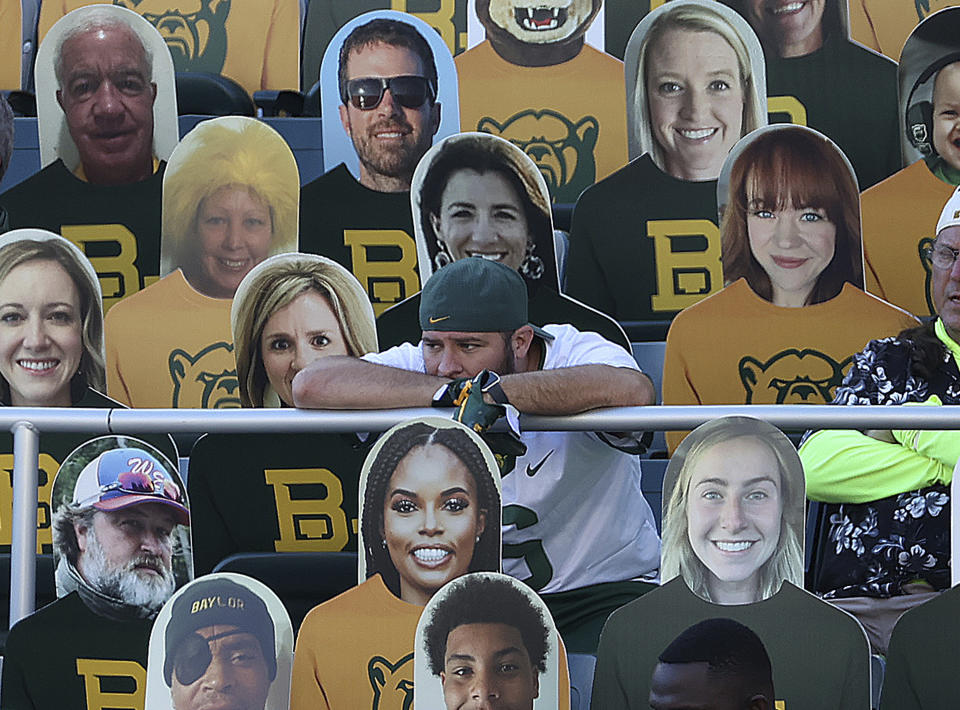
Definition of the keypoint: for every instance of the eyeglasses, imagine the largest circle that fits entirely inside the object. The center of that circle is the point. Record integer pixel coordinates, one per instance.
(366, 93)
(138, 484)
(941, 256)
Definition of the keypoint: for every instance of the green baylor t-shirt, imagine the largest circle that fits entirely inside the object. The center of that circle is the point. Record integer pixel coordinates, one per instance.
(116, 226)
(368, 232)
(820, 655)
(644, 245)
(67, 656)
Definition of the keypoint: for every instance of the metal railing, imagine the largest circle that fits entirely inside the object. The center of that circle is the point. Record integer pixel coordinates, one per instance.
(27, 424)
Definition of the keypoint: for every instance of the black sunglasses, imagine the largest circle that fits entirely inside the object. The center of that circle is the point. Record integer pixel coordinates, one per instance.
(366, 93)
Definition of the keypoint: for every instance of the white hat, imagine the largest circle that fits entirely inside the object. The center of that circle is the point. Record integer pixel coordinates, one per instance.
(950, 216)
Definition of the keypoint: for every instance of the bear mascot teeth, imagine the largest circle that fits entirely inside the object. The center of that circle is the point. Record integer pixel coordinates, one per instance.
(537, 34)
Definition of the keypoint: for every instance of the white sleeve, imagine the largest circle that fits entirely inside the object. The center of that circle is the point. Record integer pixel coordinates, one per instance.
(570, 348)
(405, 356)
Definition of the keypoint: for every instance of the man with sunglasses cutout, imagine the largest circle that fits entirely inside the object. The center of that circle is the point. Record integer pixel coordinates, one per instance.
(387, 80)
(219, 648)
(115, 542)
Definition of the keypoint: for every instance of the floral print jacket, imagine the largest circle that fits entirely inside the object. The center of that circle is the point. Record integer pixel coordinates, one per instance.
(874, 548)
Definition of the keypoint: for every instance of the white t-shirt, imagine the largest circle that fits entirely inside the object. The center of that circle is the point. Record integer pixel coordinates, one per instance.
(573, 510)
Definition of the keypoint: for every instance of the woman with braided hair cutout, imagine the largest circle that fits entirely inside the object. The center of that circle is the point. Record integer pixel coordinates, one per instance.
(430, 512)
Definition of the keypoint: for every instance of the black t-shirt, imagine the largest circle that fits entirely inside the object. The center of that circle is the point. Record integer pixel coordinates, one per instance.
(67, 656)
(369, 232)
(116, 226)
(850, 95)
(273, 493)
(644, 245)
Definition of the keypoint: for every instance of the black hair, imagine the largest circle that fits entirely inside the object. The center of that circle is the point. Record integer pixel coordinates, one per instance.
(729, 649)
(482, 599)
(486, 553)
(394, 33)
(473, 155)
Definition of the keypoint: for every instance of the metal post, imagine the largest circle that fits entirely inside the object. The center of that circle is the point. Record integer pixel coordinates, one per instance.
(23, 561)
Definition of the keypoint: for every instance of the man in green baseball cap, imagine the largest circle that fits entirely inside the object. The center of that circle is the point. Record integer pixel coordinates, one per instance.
(576, 526)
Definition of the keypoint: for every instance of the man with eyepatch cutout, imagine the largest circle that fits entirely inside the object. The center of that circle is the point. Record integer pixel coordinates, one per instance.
(115, 544)
(387, 80)
(220, 649)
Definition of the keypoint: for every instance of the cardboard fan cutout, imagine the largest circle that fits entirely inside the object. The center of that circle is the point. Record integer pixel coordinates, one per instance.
(900, 215)
(733, 548)
(534, 82)
(430, 512)
(488, 632)
(230, 200)
(225, 637)
(644, 243)
(104, 138)
(793, 311)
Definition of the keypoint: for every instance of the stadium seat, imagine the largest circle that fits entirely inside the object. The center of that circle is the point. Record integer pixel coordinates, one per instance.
(25, 160)
(878, 668)
(645, 330)
(301, 579)
(212, 95)
(814, 537)
(311, 101)
(11, 46)
(29, 15)
(649, 356)
(562, 215)
(651, 483)
(301, 134)
(581, 667)
(561, 245)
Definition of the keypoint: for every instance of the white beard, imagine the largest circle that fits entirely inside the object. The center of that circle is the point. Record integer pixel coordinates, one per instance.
(125, 582)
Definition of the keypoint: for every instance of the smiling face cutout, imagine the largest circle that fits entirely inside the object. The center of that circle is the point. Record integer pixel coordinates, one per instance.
(733, 512)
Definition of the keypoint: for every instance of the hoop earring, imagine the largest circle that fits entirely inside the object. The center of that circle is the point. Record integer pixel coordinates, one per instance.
(442, 257)
(532, 265)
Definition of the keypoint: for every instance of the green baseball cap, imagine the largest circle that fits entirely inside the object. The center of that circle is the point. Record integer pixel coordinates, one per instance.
(476, 295)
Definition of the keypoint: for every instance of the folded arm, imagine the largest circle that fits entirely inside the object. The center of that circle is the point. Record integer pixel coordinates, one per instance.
(846, 466)
(350, 383)
(344, 382)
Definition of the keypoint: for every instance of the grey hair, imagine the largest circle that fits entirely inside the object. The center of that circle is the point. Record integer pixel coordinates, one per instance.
(65, 520)
(99, 18)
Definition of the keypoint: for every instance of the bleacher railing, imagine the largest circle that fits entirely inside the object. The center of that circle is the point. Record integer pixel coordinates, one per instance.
(28, 423)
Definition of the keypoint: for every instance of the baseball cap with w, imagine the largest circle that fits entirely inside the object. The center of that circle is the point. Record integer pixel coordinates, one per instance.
(476, 295)
(120, 478)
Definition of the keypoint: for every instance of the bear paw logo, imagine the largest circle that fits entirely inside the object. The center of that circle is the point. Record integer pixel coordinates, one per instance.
(392, 683)
(562, 149)
(207, 380)
(791, 377)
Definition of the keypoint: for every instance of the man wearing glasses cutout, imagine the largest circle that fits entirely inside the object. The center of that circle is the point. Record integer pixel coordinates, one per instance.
(115, 542)
(388, 92)
(387, 82)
